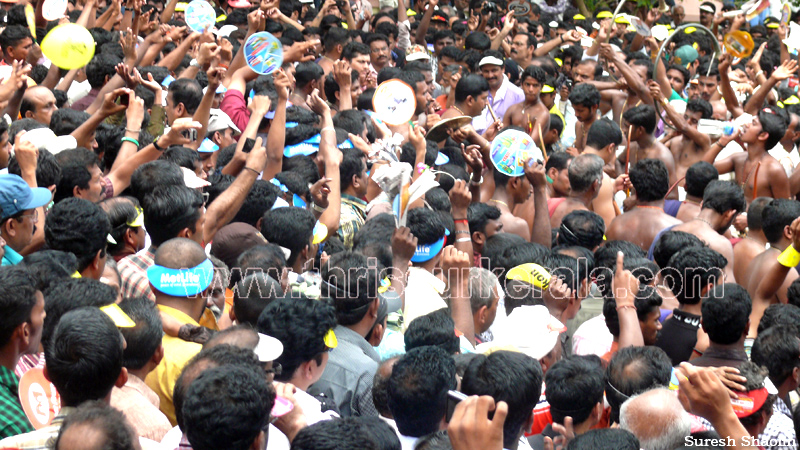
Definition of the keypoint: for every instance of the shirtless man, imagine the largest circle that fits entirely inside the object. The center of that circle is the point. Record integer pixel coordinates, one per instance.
(640, 225)
(638, 126)
(756, 164)
(775, 220)
(697, 178)
(602, 140)
(333, 44)
(690, 146)
(585, 100)
(754, 243)
(708, 78)
(508, 193)
(531, 114)
(722, 201)
(472, 93)
(585, 180)
(558, 175)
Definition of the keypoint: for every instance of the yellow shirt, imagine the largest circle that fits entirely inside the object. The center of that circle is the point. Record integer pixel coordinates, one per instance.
(177, 353)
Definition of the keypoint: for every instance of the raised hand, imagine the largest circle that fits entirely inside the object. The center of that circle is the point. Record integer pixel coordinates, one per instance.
(785, 70)
(470, 428)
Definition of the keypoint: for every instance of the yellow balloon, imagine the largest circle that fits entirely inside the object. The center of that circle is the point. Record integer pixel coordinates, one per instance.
(69, 46)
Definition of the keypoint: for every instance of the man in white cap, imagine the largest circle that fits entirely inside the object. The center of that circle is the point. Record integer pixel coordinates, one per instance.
(502, 93)
(221, 130)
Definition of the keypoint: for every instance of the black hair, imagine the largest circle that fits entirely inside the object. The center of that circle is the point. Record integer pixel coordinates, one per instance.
(339, 434)
(774, 123)
(425, 225)
(268, 258)
(227, 406)
(642, 116)
(477, 41)
(188, 92)
(64, 121)
(726, 313)
(152, 174)
(307, 72)
(353, 49)
(479, 215)
(50, 266)
(723, 196)
(145, 338)
(216, 356)
(351, 285)
(778, 349)
(170, 209)
(121, 211)
(572, 271)
(289, 227)
(586, 95)
(596, 67)
(351, 120)
(615, 438)
(75, 165)
(511, 377)
(633, 370)
(698, 176)
(470, 85)
(260, 199)
(68, 294)
(418, 390)
(582, 228)
(650, 179)
(438, 200)
(701, 106)
(435, 328)
(48, 172)
(17, 299)
(699, 266)
(602, 133)
(12, 35)
(84, 358)
(556, 123)
(777, 215)
(783, 315)
(754, 212)
(411, 78)
(77, 226)
(331, 87)
(683, 70)
(182, 156)
(300, 324)
(575, 385)
(671, 243)
(100, 417)
(252, 294)
(409, 153)
(101, 66)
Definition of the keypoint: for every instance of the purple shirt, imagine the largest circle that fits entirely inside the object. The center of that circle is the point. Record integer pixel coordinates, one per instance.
(507, 95)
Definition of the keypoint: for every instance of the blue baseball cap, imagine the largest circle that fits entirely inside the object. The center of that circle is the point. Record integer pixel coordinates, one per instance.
(16, 196)
(441, 159)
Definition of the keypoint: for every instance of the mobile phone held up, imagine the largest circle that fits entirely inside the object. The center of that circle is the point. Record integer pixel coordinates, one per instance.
(453, 399)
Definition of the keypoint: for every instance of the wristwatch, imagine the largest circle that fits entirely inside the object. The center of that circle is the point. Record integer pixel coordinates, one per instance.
(194, 63)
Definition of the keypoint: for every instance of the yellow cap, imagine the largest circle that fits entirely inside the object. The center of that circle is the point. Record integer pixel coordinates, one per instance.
(320, 233)
(604, 15)
(546, 89)
(138, 221)
(793, 100)
(530, 273)
(119, 317)
(330, 339)
(622, 19)
(578, 17)
(689, 30)
(559, 62)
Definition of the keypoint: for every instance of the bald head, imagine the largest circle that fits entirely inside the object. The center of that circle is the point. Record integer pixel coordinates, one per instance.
(39, 104)
(657, 419)
(179, 253)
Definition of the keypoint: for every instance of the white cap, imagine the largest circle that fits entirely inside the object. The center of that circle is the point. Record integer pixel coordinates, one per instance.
(417, 56)
(707, 9)
(226, 30)
(218, 121)
(532, 330)
(191, 180)
(268, 348)
(45, 139)
(493, 60)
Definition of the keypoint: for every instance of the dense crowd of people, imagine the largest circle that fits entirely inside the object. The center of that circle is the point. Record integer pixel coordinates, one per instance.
(471, 225)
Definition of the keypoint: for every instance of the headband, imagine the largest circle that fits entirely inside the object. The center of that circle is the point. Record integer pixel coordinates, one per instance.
(181, 282)
(427, 252)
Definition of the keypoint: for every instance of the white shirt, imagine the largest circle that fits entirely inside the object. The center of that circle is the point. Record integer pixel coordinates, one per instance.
(423, 295)
(789, 160)
(592, 337)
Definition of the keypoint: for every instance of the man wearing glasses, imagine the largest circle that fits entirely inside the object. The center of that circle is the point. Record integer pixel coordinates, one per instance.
(18, 215)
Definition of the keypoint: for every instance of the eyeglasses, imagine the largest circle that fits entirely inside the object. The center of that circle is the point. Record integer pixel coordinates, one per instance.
(380, 50)
(35, 216)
